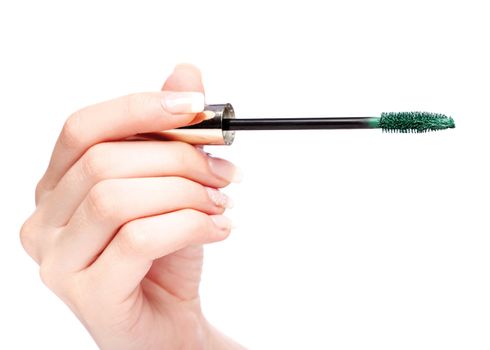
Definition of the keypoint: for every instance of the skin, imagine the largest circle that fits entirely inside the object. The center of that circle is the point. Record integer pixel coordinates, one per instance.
(119, 226)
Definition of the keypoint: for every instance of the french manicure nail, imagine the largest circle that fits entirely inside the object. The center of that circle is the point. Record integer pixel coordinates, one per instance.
(219, 199)
(226, 170)
(222, 222)
(183, 102)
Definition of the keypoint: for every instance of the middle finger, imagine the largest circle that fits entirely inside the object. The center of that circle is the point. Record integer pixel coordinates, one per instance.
(113, 160)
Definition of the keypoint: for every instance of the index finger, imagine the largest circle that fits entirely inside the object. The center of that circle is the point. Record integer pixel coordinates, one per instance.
(116, 119)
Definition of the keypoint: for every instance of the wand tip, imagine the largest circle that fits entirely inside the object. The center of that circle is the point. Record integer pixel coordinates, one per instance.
(406, 122)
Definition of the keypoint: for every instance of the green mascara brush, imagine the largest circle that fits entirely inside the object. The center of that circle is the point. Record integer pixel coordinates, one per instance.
(220, 125)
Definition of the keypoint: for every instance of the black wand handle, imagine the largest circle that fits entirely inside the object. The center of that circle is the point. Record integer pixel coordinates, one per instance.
(297, 123)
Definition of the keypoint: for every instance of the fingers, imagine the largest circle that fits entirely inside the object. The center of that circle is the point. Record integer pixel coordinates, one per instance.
(127, 259)
(117, 119)
(111, 160)
(113, 203)
(121, 118)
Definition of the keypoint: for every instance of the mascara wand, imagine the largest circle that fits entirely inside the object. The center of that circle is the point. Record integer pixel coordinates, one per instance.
(220, 125)
(396, 122)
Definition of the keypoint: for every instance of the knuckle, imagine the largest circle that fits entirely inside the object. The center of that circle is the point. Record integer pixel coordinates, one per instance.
(102, 200)
(27, 233)
(94, 164)
(71, 135)
(133, 238)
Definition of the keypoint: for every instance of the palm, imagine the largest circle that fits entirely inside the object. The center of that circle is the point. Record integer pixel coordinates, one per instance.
(179, 273)
(166, 301)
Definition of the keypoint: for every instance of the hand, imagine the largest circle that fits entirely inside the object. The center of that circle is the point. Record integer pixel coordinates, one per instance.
(119, 225)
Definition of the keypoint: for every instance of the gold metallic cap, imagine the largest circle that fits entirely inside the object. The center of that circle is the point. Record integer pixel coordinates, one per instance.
(207, 132)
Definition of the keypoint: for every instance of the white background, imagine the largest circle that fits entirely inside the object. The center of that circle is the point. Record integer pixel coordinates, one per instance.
(346, 239)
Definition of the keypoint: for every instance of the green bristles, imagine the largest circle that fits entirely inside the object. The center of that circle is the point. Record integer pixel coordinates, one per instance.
(414, 122)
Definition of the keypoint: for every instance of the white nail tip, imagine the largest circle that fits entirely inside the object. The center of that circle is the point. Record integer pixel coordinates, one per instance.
(184, 102)
(220, 199)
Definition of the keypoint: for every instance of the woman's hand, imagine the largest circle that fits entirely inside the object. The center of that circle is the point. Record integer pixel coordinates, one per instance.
(119, 225)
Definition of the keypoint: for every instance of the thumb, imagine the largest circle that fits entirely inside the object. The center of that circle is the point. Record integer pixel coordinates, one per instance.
(186, 77)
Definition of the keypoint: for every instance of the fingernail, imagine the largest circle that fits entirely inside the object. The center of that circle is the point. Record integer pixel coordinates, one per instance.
(183, 102)
(222, 222)
(226, 170)
(220, 199)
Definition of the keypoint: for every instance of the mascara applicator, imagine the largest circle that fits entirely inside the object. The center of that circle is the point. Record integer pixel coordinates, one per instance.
(220, 127)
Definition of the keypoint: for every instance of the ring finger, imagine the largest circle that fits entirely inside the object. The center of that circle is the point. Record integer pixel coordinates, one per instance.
(112, 203)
